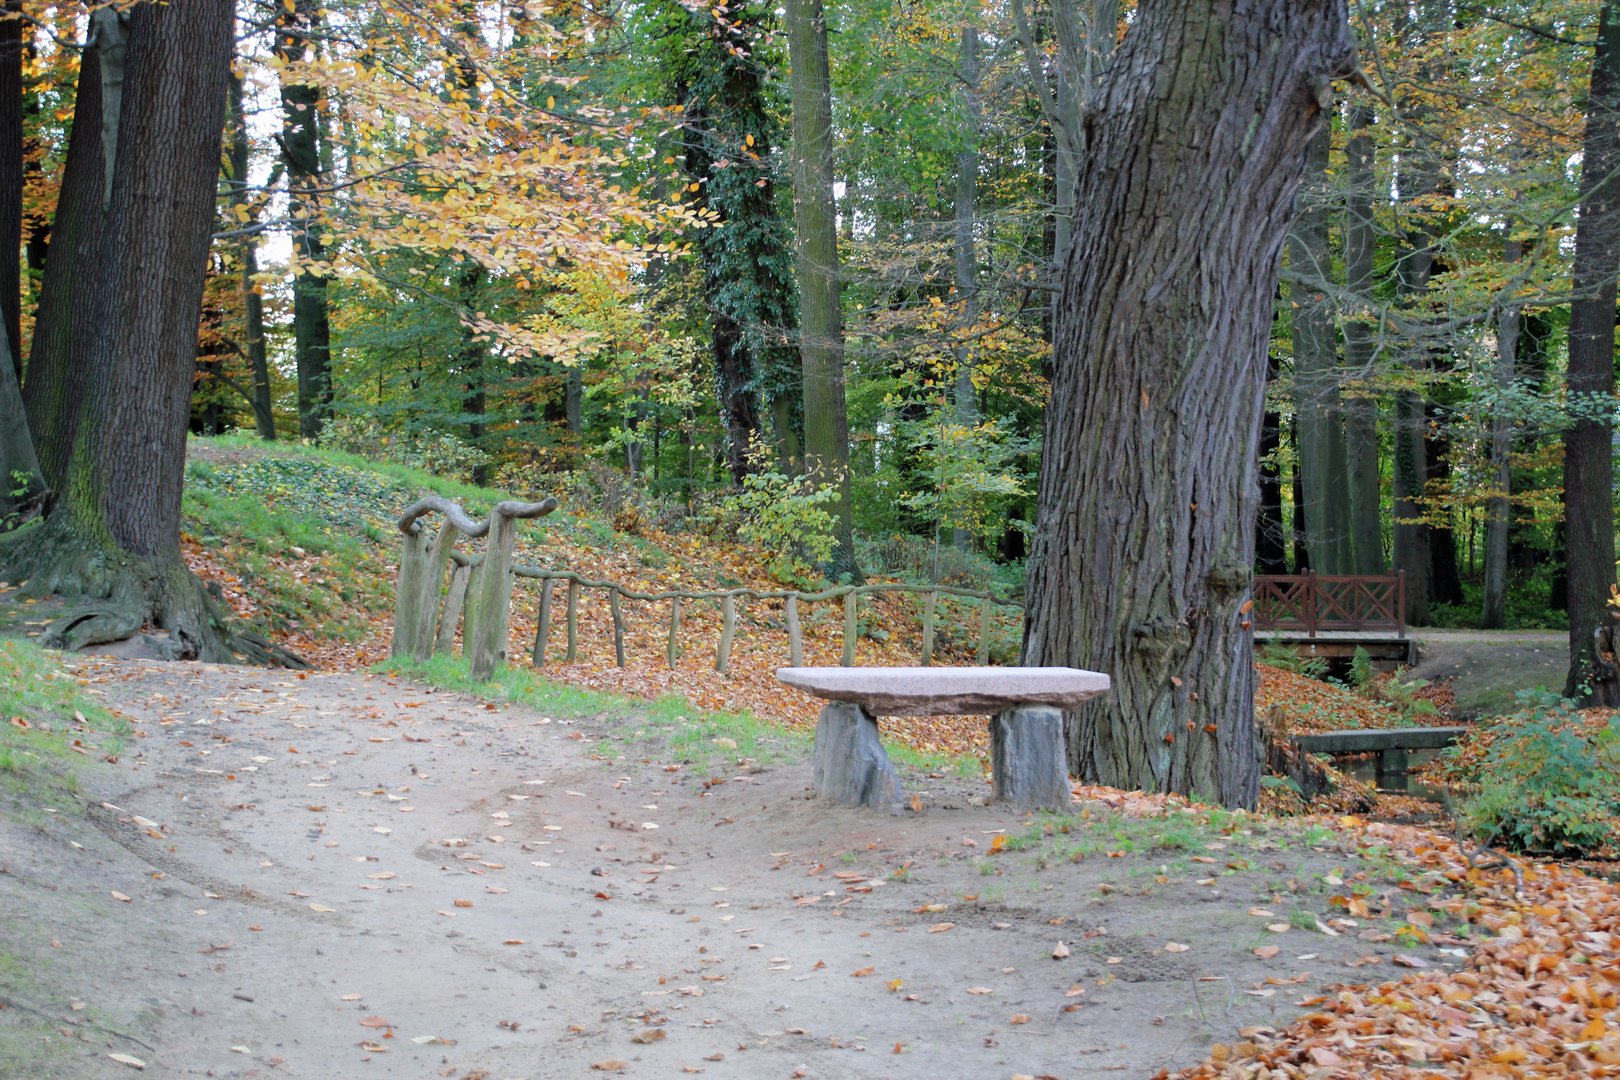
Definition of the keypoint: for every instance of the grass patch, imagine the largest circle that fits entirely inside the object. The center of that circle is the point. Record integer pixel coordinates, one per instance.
(711, 740)
(50, 730)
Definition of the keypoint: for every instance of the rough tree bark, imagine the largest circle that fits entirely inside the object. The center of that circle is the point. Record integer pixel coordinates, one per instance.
(821, 323)
(1145, 535)
(1588, 444)
(133, 290)
(300, 147)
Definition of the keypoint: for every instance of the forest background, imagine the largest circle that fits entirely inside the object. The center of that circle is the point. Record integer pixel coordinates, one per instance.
(568, 247)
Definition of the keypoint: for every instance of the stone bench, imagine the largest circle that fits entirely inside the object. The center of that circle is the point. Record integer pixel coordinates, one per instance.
(1029, 766)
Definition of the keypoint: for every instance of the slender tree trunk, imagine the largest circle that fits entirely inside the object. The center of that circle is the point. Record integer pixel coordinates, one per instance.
(21, 486)
(1498, 507)
(1144, 542)
(821, 325)
(1360, 412)
(11, 182)
(55, 388)
(1410, 535)
(1445, 580)
(1270, 551)
(967, 268)
(264, 421)
(1316, 362)
(300, 140)
(1302, 554)
(1588, 444)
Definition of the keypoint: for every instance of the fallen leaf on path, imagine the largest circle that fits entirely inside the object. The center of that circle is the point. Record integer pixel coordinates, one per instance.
(116, 895)
(894, 985)
(941, 927)
(125, 1059)
(1020, 1018)
(1266, 952)
(1410, 961)
(374, 1022)
(386, 875)
(862, 973)
(1074, 991)
(321, 907)
(374, 1048)
(350, 997)
(1060, 952)
(980, 990)
(648, 1036)
(464, 903)
(1175, 946)
(610, 1065)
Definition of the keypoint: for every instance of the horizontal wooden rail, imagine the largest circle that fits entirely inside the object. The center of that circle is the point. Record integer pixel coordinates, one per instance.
(423, 626)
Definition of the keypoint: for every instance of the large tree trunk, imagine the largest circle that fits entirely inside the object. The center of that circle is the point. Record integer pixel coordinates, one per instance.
(264, 421)
(300, 143)
(1144, 542)
(1359, 412)
(821, 321)
(1316, 371)
(112, 540)
(1588, 444)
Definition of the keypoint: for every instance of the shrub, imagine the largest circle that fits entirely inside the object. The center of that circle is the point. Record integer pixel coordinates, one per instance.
(437, 452)
(1549, 781)
(1276, 654)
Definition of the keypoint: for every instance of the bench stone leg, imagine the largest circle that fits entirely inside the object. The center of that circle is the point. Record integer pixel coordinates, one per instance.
(1393, 761)
(1028, 763)
(849, 764)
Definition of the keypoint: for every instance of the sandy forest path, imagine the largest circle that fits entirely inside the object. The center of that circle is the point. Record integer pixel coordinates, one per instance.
(348, 875)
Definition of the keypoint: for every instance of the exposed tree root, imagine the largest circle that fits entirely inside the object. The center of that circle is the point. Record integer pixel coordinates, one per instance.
(114, 595)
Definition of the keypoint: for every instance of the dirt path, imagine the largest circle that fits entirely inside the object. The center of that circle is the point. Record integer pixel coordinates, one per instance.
(316, 868)
(1488, 668)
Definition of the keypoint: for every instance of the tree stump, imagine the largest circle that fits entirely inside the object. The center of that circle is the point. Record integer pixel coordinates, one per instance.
(849, 765)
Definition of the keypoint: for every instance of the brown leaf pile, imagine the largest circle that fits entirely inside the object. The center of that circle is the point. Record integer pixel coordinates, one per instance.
(1314, 706)
(1538, 997)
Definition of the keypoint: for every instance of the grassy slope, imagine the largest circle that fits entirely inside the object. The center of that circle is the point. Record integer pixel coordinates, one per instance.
(301, 542)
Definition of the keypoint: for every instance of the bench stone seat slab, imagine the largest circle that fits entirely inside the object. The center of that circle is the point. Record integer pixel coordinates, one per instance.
(946, 691)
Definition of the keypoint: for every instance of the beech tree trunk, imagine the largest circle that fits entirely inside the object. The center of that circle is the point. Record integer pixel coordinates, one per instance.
(1270, 550)
(1360, 414)
(300, 143)
(11, 182)
(1316, 374)
(1144, 544)
(264, 421)
(1499, 506)
(1588, 444)
(967, 263)
(821, 322)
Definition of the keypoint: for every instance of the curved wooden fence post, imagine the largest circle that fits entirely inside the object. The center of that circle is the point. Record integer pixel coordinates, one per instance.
(722, 657)
(543, 631)
(984, 631)
(795, 645)
(485, 643)
(674, 649)
(618, 627)
(573, 619)
(434, 563)
(454, 599)
(408, 615)
(849, 629)
(928, 628)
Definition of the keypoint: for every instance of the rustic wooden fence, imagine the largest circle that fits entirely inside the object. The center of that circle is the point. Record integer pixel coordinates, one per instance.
(1313, 602)
(480, 600)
